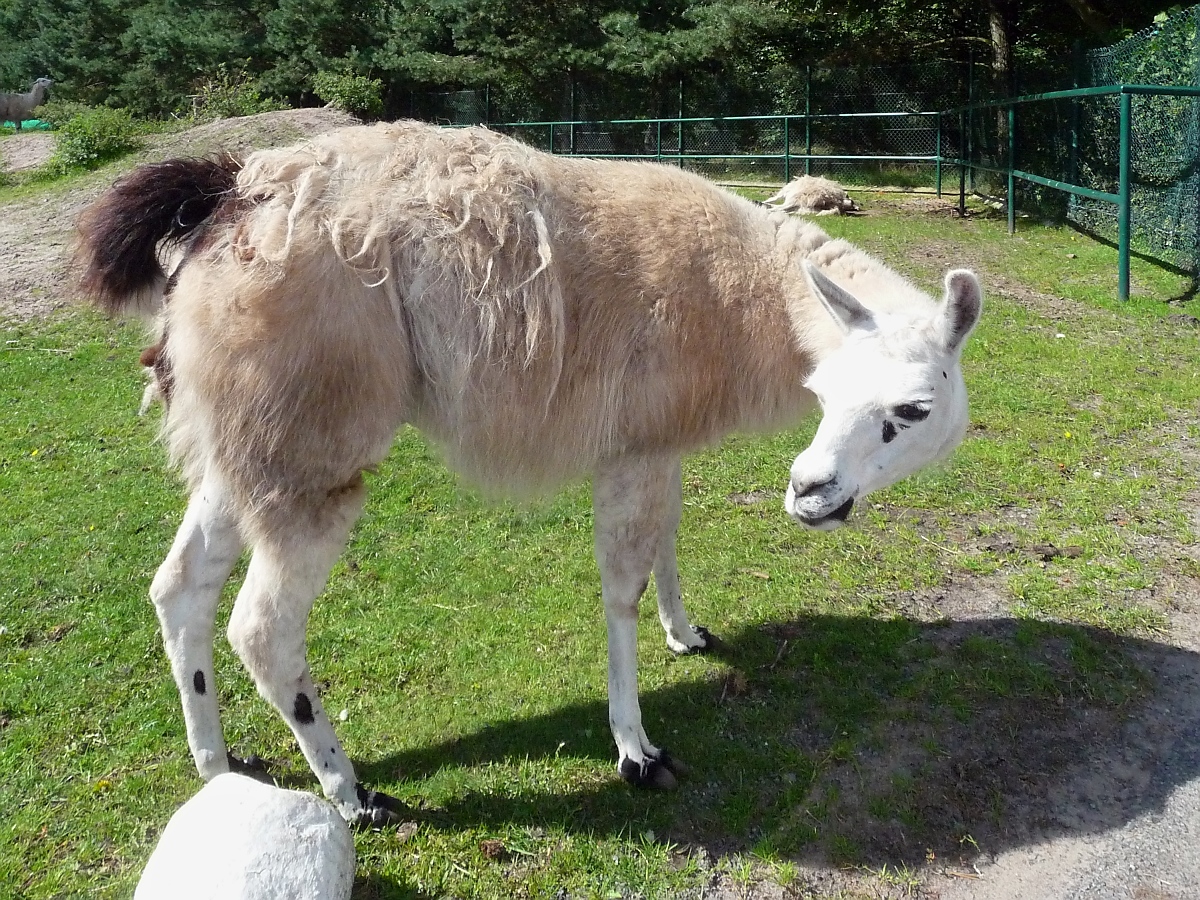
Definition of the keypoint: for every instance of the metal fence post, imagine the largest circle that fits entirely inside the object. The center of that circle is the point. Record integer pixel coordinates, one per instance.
(574, 115)
(1012, 164)
(681, 121)
(787, 152)
(1077, 69)
(938, 152)
(808, 120)
(1124, 206)
(970, 118)
(962, 166)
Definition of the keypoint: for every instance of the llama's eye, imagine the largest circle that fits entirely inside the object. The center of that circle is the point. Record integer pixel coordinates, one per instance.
(911, 412)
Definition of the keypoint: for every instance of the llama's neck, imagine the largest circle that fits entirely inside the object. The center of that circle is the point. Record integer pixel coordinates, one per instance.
(879, 288)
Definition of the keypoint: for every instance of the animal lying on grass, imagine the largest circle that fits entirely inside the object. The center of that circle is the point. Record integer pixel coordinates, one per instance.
(16, 108)
(812, 195)
(540, 323)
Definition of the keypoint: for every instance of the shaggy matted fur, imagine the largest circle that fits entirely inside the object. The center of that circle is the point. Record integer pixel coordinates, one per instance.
(812, 195)
(538, 320)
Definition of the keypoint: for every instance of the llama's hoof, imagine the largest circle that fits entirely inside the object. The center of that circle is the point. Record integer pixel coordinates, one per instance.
(711, 642)
(253, 766)
(676, 767)
(377, 809)
(657, 773)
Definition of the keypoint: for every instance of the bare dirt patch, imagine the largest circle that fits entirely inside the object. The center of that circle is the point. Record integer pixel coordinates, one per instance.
(26, 150)
(36, 232)
(944, 256)
(913, 202)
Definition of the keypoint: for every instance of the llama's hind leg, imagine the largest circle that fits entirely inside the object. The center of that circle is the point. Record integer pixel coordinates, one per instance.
(185, 592)
(682, 636)
(267, 629)
(630, 499)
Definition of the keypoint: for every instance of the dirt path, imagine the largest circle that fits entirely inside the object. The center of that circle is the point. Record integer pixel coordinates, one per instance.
(1152, 855)
(26, 150)
(34, 238)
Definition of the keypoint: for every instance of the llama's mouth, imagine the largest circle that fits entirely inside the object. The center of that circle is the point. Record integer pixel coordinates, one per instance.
(827, 522)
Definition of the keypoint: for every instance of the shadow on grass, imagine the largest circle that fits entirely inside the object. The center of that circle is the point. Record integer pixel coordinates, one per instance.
(865, 741)
(380, 887)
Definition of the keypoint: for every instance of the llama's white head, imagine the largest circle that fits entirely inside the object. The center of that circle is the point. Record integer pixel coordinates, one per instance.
(892, 396)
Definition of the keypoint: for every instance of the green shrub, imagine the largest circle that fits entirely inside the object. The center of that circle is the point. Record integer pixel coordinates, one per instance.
(229, 93)
(355, 94)
(57, 113)
(93, 137)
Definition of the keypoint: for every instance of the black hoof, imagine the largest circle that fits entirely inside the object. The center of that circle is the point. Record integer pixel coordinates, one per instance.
(657, 774)
(378, 809)
(711, 642)
(674, 766)
(253, 766)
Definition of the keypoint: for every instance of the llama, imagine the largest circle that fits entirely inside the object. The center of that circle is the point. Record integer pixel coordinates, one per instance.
(16, 108)
(812, 195)
(529, 315)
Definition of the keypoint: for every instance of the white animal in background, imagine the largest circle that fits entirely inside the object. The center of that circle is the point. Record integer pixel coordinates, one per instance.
(534, 317)
(812, 195)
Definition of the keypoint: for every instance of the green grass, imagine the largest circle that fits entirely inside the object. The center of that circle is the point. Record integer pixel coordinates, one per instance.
(46, 181)
(465, 639)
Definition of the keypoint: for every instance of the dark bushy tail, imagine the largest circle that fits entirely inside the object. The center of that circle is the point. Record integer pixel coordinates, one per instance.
(120, 234)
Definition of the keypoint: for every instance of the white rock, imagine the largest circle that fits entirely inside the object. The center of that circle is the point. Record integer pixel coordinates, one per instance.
(240, 839)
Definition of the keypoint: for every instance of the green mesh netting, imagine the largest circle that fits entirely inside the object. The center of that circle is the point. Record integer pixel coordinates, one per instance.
(1165, 179)
(826, 91)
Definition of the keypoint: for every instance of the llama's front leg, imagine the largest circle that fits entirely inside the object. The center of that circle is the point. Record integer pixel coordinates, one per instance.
(682, 636)
(267, 629)
(185, 592)
(630, 499)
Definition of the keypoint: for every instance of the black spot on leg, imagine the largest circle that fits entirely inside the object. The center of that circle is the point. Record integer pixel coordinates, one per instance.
(302, 710)
(198, 683)
(944, 375)
(889, 432)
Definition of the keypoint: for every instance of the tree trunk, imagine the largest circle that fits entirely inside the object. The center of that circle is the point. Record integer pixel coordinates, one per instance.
(1001, 16)
(1000, 24)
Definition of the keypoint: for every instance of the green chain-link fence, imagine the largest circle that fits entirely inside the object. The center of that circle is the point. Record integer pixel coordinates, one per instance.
(1065, 147)
(1055, 154)
(722, 130)
(1165, 130)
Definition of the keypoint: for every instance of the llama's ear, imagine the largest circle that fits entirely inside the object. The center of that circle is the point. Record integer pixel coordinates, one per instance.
(841, 304)
(961, 308)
